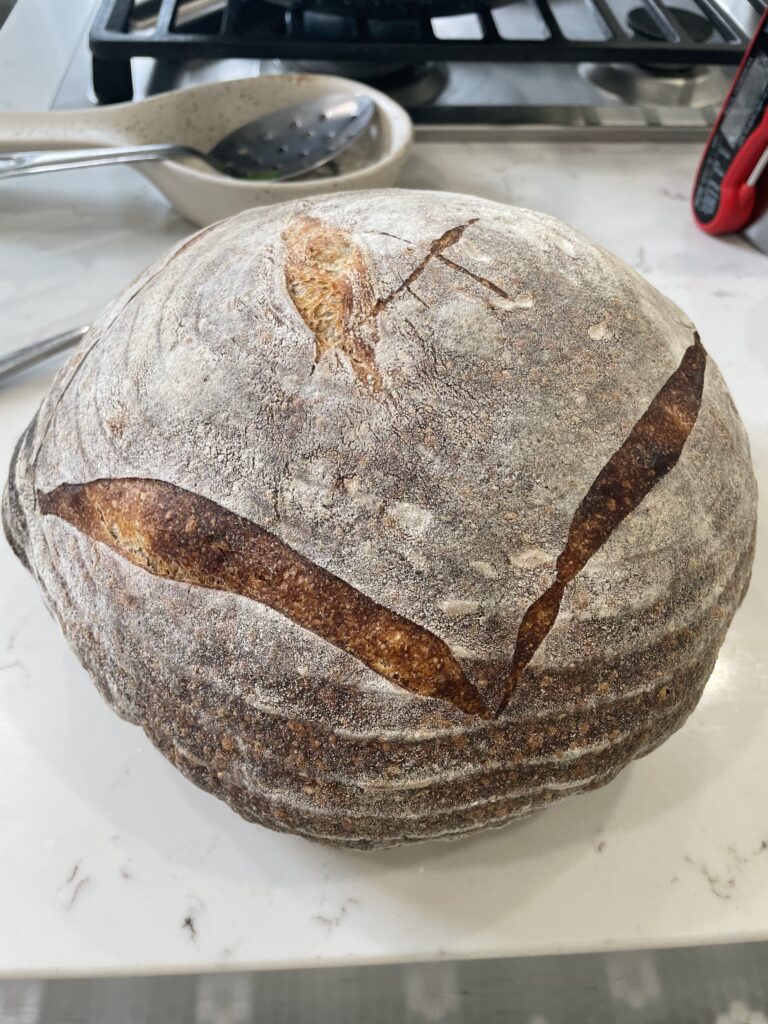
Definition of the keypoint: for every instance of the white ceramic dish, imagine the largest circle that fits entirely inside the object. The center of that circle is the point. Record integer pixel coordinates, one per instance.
(200, 117)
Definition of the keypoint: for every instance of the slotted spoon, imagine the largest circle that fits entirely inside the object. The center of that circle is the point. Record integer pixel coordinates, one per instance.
(199, 118)
(279, 146)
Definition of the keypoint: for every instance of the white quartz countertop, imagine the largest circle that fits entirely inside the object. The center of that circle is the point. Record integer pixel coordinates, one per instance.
(110, 862)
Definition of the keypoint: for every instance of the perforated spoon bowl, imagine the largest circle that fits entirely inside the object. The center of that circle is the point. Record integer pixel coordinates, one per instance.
(200, 117)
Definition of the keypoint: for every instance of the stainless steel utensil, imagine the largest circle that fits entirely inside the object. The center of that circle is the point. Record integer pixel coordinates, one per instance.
(28, 356)
(279, 146)
(199, 116)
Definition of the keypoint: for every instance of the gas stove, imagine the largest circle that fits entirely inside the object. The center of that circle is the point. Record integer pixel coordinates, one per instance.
(526, 69)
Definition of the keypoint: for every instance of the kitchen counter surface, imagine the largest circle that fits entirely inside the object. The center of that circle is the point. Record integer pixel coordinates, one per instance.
(111, 862)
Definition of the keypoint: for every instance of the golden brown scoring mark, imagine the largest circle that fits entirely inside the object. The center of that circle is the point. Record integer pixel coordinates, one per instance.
(181, 536)
(435, 251)
(329, 284)
(650, 451)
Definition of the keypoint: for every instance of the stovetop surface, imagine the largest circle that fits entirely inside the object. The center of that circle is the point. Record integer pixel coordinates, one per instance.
(643, 31)
(463, 98)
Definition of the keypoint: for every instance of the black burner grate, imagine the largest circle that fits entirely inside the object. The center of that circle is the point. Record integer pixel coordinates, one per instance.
(526, 30)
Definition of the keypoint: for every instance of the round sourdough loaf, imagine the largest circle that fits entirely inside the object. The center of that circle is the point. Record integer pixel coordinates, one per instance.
(392, 515)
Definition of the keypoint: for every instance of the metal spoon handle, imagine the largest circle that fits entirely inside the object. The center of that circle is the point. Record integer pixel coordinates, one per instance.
(14, 165)
(31, 354)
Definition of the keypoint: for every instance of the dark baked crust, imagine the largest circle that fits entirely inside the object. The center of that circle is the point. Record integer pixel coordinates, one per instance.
(488, 407)
(525, 767)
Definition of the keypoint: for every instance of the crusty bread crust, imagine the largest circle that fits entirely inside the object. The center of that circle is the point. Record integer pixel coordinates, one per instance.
(457, 411)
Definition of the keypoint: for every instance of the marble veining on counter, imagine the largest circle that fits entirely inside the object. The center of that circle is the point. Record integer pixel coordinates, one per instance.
(111, 862)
